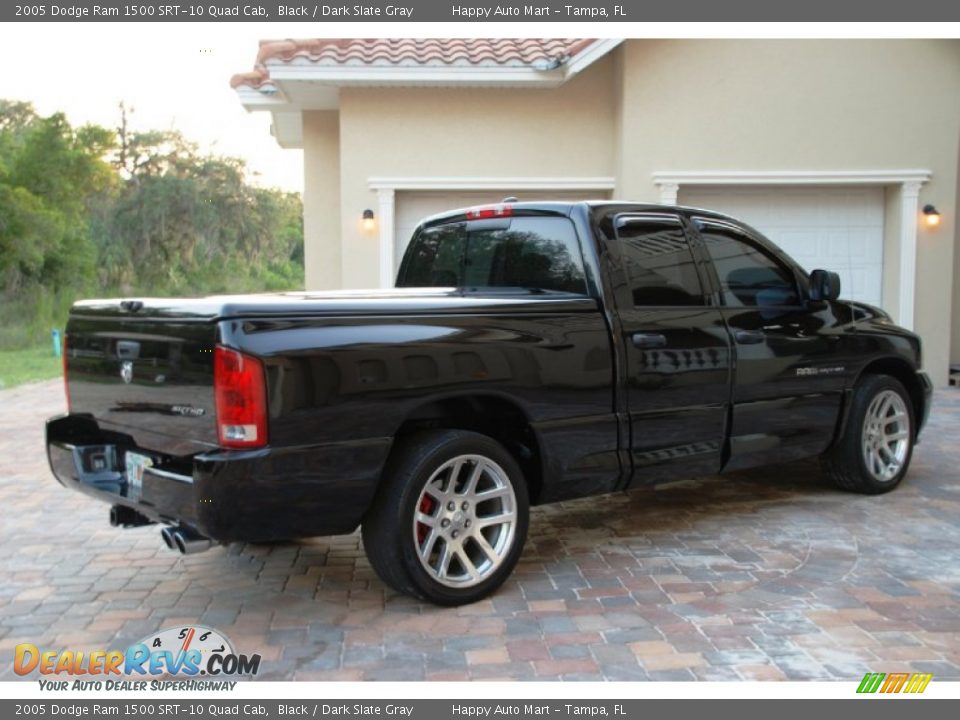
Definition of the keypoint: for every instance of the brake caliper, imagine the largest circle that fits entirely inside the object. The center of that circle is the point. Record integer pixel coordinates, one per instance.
(427, 505)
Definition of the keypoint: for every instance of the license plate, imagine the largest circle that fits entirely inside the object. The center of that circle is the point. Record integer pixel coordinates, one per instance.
(135, 465)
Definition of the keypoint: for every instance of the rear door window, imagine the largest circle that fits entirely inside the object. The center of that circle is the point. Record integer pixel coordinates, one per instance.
(538, 253)
(659, 264)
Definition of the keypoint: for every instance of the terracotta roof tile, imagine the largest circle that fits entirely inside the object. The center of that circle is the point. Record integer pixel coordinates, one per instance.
(493, 52)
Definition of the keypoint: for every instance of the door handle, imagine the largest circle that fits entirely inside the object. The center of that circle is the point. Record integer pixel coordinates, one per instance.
(749, 337)
(648, 341)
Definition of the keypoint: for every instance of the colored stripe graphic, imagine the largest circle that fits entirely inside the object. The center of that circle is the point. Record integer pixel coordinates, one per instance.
(870, 682)
(895, 682)
(918, 683)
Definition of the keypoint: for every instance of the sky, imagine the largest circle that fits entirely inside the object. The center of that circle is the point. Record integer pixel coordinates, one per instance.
(174, 76)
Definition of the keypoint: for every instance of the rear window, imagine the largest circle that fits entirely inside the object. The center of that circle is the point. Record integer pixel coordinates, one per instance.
(526, 252)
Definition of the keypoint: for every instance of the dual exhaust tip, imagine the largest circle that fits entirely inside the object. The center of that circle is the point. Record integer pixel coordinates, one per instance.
(180, 537)
(185, 539)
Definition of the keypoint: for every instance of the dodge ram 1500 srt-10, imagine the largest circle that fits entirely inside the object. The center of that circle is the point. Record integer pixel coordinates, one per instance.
(530, 353)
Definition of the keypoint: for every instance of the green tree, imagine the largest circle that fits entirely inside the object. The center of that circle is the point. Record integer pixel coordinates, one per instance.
(50, 176)
(90, 210)
(188, 222)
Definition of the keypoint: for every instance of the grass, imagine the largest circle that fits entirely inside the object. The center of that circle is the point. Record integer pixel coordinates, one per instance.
(23, 366)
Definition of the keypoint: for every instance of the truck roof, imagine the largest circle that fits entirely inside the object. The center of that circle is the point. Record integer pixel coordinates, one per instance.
(565, 208)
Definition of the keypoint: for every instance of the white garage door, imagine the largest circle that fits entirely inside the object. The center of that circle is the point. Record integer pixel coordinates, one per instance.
(839, 229)
(414, 206)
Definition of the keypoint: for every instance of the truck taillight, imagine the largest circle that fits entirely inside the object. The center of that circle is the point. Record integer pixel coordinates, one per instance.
(241, 397)
(491, 211)
(66, 383)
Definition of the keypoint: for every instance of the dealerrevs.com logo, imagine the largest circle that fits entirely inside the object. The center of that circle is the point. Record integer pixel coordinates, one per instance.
(913, 683)
(177, 652)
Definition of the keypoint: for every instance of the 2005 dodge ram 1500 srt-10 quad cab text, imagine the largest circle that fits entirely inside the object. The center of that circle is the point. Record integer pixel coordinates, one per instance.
(530, 353)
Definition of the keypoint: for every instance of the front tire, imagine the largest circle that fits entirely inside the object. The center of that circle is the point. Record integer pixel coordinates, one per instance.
(450, 520)
(873, 454)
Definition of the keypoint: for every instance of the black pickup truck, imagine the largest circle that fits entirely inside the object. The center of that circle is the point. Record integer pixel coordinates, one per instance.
(530, 353)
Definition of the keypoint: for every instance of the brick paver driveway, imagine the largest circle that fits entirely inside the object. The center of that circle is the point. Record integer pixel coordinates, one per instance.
(763, 575)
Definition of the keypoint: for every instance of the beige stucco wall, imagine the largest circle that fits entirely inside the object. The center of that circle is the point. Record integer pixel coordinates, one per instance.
(807, 105)
(664, 105)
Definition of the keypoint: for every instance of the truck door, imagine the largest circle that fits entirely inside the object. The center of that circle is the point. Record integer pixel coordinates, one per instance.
(677, 368)
(788, 378)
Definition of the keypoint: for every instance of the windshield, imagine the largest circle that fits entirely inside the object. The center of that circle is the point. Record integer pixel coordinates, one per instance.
(535, 253)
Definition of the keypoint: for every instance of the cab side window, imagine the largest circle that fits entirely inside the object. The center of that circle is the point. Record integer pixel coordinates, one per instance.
(749, 275)
(659, 265)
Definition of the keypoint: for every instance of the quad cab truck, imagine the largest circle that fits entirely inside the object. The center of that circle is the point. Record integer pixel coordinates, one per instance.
(530, 353)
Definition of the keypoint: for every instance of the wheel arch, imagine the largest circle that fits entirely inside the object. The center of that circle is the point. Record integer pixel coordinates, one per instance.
(907, 375)
(497, 416)
(894, 367)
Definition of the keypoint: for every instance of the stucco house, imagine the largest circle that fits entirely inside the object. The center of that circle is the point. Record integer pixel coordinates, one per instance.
(833, 148)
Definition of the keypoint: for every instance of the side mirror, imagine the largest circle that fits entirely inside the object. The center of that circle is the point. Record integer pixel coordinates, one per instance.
(824, 285)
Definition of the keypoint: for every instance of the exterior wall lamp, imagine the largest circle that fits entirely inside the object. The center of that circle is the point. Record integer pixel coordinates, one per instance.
(932, 215)
(368, 221)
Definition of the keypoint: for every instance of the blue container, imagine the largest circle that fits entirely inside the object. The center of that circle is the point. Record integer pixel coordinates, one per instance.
(55, 334)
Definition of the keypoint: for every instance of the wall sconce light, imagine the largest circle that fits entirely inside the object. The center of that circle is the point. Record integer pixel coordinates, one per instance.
(932, 215)
(368, 221)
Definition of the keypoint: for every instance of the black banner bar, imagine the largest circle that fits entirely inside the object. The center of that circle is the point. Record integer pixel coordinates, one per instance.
(474, 11)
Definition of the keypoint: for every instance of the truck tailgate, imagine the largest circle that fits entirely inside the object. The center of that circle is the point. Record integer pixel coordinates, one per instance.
(148, 377)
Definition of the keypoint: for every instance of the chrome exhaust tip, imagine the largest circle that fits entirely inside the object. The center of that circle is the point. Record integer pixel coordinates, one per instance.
(167, 535)
(185, 539)
(188, 543)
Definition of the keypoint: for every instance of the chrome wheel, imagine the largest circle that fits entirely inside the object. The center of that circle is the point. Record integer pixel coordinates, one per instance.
(886, 435)
(465, 521)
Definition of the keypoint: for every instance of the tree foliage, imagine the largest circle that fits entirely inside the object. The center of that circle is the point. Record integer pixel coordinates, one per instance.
(49, 174)
(90, 210)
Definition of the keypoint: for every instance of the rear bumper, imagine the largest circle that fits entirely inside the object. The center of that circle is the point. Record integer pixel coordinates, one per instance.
(226, 495)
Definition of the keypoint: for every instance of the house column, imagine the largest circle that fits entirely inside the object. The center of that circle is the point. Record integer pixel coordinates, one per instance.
(668, 193)
(322, 232)
(909, 209)
(385, 199)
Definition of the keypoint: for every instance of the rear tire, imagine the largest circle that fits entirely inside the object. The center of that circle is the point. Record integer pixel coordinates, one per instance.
(873, 454)
(450, 519)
